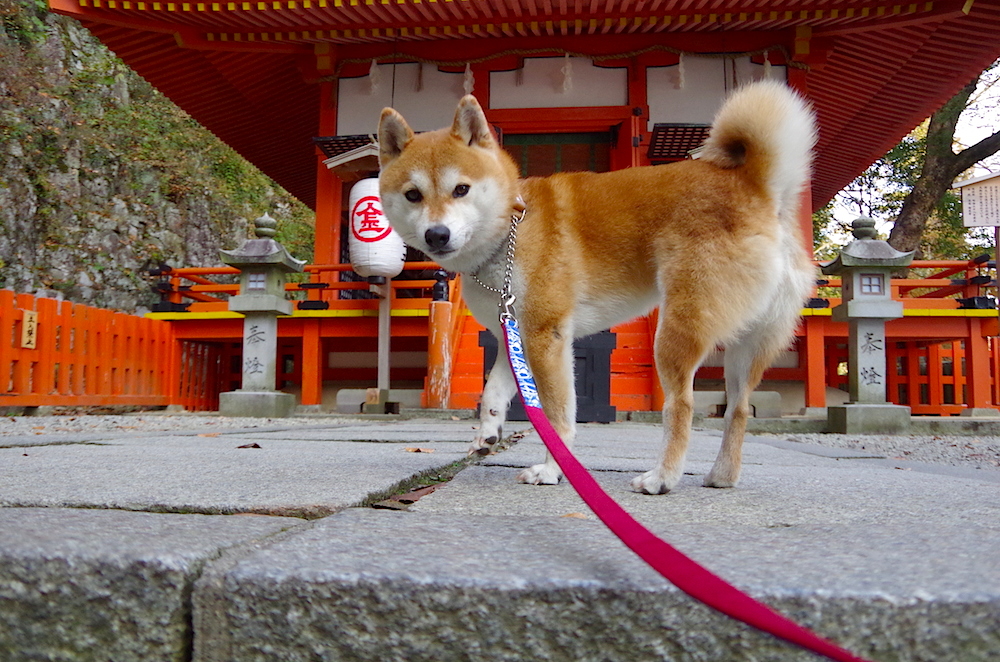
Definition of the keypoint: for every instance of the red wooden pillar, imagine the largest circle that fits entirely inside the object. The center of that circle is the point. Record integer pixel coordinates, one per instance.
(994, 358)
(977, 366)
(328, 185)
(798, 81)
(638, 99)
(312, 363)
(329, 191)
(813, 354)
(437, 393)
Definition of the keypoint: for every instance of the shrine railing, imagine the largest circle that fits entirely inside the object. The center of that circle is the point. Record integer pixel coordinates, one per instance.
(193, 289)
(64, 354)
(950, 284)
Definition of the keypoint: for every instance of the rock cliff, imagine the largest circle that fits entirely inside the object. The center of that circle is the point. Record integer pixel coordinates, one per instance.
(102, 177)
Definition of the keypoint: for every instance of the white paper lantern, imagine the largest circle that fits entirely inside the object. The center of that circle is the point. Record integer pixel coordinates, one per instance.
(376, 249)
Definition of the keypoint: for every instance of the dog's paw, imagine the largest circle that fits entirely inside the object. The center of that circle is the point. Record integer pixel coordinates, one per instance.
(485, 443)
(654, 482)
(720, 478)
(481, 446)
(540, 474)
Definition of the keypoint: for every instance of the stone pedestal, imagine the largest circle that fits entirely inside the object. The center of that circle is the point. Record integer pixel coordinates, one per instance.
(868, 419)
(257, 404)
(981, 412)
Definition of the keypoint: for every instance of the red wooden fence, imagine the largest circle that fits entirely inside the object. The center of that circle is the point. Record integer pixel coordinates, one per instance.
(80, 355)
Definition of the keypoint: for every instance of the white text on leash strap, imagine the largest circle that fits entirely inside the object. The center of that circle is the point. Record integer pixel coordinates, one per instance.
(522, 373)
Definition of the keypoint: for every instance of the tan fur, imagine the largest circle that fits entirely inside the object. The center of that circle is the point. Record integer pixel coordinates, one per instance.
(713, 241)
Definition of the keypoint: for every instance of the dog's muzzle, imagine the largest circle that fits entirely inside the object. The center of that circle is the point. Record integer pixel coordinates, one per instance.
(437, 237)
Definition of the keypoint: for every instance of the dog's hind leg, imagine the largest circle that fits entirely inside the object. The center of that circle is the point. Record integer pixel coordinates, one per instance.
(745, 363)
(743, 370)
(680, 349)
(500, 388)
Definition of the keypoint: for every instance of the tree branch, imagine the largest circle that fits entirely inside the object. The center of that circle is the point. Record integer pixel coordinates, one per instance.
(973, 154)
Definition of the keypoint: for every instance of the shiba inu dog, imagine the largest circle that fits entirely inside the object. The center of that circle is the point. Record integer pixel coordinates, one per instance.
(713, 241)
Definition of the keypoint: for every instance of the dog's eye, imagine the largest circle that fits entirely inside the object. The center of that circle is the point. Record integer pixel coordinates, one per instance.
(413, 195)
(460, 190)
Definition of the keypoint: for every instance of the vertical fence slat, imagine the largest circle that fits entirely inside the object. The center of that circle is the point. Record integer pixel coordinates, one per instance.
(24, 357)
(46, 346)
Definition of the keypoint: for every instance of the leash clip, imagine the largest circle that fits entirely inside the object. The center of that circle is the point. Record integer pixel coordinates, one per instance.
(507, 308)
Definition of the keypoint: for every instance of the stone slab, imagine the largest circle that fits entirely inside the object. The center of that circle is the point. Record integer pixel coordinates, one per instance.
(401, 432)
(88, 585)
(768, 496)
(387, 586)
(212, 475)
(636, 447)
(56, 437)
(868, 419)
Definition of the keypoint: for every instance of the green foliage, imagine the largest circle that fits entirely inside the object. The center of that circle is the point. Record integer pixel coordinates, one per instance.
(880, 190)
(24, 20)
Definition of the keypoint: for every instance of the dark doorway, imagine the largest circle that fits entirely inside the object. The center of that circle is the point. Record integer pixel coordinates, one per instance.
(541, 154)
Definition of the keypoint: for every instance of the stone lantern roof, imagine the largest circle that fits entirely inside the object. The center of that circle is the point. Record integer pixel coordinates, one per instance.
(262, 251)
(866, 251)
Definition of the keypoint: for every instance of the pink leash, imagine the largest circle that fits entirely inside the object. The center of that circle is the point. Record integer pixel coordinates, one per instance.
(687, 575)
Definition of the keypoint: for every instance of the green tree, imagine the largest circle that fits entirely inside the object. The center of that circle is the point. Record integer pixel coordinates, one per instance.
(912, 184)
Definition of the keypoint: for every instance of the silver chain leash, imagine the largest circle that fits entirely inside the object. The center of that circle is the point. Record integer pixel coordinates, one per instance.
(507, 297)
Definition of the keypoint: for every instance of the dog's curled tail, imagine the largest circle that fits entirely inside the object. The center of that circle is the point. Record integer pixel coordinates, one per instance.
(768, 129)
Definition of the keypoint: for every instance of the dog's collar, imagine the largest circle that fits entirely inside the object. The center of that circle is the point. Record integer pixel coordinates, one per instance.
(506, 296)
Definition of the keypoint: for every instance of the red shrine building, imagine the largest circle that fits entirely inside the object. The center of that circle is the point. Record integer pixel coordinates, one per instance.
(296, 85)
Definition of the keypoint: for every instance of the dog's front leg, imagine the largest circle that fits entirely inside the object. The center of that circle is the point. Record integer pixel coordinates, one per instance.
(549, 349)
(500, 388)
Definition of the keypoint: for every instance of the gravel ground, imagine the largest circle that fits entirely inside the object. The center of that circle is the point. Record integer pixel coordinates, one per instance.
(981, 452)
(974, 452)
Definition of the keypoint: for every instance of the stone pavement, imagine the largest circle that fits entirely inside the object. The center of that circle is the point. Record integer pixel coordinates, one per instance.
(179, 546)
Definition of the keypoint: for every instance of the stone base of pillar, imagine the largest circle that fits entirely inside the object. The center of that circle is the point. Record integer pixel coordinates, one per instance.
(258, 404)
(868, 419)
(980, 412)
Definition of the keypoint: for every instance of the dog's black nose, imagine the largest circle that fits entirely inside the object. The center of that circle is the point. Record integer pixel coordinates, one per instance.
(437, 236)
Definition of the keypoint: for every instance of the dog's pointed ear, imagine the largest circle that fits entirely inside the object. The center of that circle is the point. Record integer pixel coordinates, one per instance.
(470, 124)
(394, 134)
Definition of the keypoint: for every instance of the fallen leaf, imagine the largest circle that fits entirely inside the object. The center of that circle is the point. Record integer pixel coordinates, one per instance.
(389, 504)
(575, 515)
(209, 434)
(414, 495)
(416, 449)
(455, 418)
(250, 445)
(38, 427)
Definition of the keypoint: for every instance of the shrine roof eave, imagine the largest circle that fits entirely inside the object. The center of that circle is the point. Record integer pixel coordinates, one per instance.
(248, 71)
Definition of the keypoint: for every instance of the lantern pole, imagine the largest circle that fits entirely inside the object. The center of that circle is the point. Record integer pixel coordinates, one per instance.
(377, 253)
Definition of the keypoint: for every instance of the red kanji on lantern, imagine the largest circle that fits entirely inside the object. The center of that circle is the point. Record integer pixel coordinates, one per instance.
(368, 222)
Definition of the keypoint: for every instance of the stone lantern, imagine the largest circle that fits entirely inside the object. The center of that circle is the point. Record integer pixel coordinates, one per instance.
(263, 265)
(865, 267)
